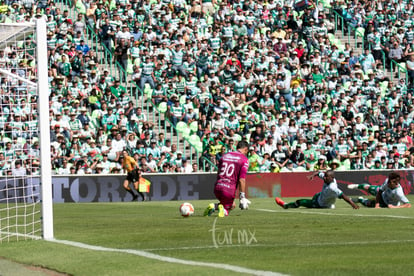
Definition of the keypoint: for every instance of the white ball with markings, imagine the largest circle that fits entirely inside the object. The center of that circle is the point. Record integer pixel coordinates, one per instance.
(186, 209)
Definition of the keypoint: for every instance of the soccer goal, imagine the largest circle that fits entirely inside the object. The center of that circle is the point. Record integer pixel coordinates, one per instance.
(25, 181)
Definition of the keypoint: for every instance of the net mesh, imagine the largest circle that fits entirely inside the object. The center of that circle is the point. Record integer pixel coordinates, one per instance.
(20, 216)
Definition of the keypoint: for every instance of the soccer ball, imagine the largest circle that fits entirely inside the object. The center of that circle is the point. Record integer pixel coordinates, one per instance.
(186, 209)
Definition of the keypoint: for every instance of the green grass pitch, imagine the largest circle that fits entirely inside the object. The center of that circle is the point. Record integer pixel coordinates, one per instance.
(265, 238)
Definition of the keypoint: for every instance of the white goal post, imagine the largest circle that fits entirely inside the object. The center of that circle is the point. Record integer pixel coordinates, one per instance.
(43, 103)
(26, 202)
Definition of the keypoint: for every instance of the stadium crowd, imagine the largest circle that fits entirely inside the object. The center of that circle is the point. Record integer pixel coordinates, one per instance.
(265, 71)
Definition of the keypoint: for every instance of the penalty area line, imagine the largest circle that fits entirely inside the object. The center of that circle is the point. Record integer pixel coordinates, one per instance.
(332, 214)
(157, 257)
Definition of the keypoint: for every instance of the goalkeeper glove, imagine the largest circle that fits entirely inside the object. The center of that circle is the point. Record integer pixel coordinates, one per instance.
(244, 202)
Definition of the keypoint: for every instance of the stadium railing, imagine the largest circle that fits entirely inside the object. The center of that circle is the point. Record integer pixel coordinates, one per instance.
(208, 165)
(400, 69)
(347, 30)
(396, 69)
(150, 108)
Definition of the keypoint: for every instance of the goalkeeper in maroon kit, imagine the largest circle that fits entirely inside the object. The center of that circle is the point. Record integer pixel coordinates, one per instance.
(232, 171)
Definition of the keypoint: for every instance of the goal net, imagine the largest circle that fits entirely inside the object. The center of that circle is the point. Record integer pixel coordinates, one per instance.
(25, 174)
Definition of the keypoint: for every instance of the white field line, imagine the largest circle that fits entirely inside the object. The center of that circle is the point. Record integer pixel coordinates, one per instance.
(144, 254)
(333, 214)
(285, 245)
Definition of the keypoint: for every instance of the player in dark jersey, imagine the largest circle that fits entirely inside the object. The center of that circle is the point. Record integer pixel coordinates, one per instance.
(232, 171)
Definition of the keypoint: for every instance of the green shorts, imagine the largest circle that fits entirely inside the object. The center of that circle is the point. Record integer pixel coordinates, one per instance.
(315, 203)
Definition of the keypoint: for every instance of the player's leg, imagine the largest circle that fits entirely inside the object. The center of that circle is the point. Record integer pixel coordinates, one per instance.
(226, 203)
(308, 203)
(129, 190)
(225, 206)
(222, 211)
(210, 209)
(366, 202)
(372, 189)
(358, 186)
(285, 205)
(141, 194)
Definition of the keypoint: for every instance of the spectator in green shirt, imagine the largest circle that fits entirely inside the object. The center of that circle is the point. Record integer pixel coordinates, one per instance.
(117, 88)
(254, 159)
(310, 156)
